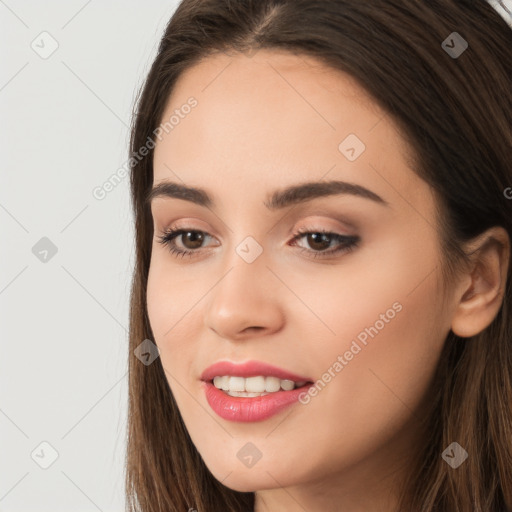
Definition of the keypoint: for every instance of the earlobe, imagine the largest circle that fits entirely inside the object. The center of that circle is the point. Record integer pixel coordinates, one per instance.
(482, 288)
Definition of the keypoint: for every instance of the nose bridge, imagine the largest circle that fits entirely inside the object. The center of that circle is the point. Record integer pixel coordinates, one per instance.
(248, 275)
(245, 296)
(249, 250)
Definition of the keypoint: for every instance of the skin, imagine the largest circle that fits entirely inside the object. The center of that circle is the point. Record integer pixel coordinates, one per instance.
(265, 122)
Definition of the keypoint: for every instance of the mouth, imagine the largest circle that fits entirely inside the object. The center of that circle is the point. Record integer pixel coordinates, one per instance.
(255, 386)
(251, 391)
(252, 378)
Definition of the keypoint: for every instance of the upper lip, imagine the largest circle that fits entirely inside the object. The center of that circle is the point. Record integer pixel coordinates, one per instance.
(249, 369)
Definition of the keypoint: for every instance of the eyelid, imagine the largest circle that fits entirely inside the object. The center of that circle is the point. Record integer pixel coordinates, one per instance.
(329, 218)
(189, 223)
(320, 223)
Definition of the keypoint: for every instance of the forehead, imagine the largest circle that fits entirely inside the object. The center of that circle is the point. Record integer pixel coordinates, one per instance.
(273, 118)
(231, 71)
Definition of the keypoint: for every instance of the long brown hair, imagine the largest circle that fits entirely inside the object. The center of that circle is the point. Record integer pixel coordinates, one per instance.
(456, 115)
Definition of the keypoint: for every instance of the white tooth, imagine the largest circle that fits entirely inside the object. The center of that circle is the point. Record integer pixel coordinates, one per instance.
(287, 385)
(224, 382)
(236, 383)
(272, 384)
(255, 384)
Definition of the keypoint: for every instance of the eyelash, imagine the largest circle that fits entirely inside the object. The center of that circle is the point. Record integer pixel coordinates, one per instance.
(348, 243)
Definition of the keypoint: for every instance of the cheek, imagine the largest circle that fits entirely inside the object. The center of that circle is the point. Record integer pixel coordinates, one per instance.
(381, 382)
(168, 301)
(335, 303)
(171, 292)
(389, 307)
(389, 332)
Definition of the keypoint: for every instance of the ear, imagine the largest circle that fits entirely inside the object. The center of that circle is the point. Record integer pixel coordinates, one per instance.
(480, 293)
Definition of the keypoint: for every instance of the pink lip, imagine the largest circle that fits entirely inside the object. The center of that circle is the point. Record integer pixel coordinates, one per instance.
(248, 369)
(248, 409)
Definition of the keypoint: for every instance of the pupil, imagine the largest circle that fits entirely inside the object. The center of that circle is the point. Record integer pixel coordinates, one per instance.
(323, 240)
(195, 237)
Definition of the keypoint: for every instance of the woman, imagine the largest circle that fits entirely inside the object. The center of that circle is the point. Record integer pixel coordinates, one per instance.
(322, 199)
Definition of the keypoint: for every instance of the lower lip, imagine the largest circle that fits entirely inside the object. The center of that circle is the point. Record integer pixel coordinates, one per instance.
(246, 409)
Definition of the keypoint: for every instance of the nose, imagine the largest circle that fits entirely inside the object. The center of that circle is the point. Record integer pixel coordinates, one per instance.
(246, 302)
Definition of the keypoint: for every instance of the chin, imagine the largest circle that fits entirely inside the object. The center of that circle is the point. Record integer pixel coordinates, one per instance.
(258, 478)
(250, 482)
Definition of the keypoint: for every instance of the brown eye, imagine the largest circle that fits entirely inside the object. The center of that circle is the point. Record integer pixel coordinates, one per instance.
(319, 241)
(322, 243)
(192, 239)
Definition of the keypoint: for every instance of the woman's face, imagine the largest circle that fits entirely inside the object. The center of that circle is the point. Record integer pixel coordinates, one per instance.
(366, 320)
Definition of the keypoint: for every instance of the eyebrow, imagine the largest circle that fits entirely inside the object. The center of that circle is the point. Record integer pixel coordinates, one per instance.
(279, 199)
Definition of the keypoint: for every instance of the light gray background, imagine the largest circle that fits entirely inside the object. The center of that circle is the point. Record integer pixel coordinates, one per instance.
(64, 130)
